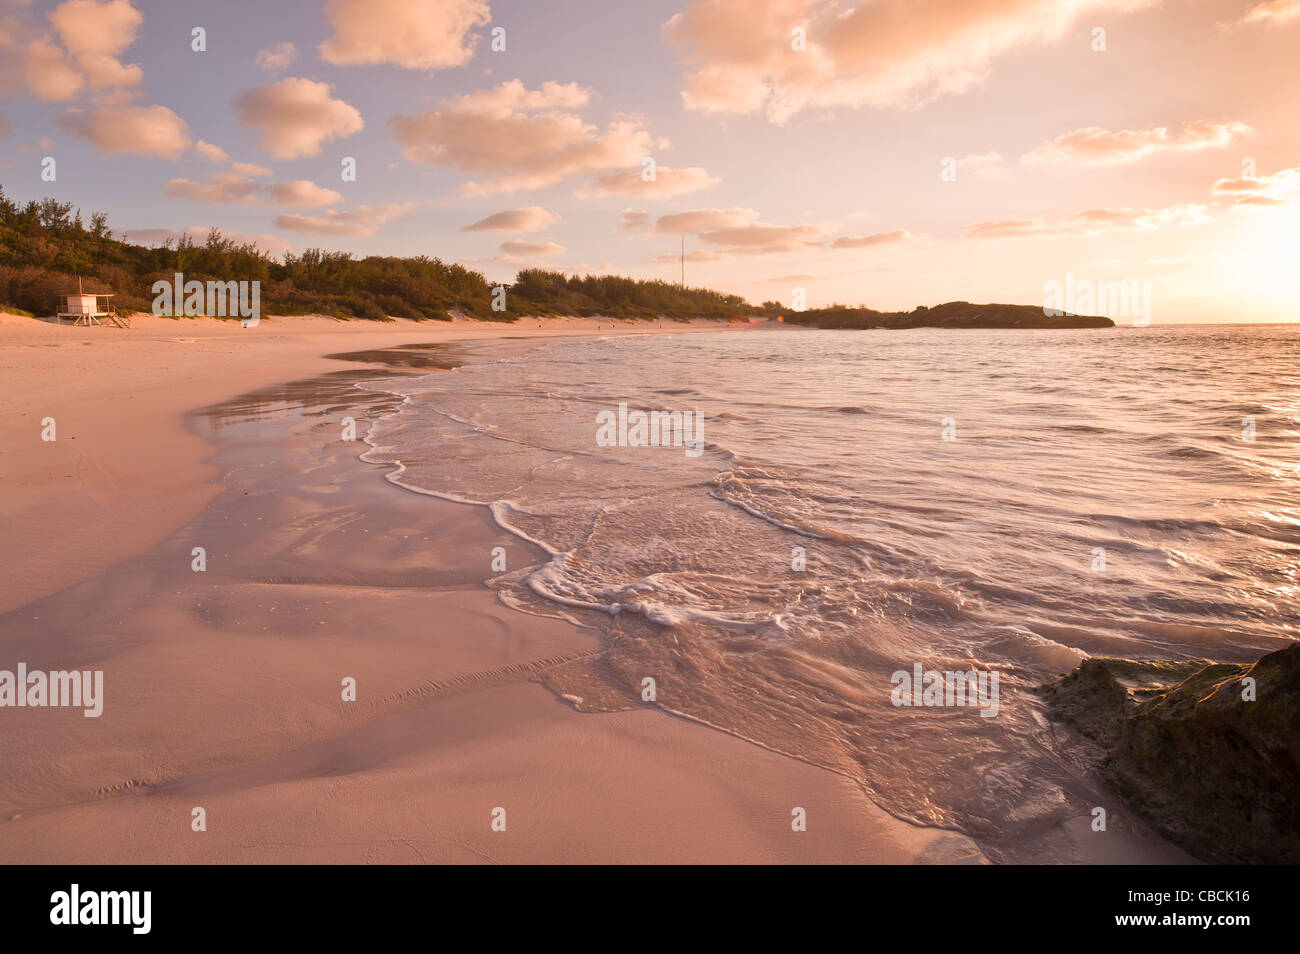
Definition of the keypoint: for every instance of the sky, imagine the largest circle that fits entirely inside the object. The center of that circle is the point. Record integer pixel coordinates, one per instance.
(891, 153)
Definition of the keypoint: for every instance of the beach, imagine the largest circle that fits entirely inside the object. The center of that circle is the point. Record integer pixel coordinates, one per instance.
(223, 686)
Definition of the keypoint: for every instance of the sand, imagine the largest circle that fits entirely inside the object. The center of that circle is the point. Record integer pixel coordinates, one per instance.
(223, 687)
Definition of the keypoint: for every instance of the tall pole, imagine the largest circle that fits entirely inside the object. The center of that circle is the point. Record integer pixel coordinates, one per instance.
(683, 261)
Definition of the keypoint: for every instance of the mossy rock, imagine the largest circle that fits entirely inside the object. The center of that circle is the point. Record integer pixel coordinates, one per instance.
(1215, 772)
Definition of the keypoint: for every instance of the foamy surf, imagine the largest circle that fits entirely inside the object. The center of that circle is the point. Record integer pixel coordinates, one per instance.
(882, 503)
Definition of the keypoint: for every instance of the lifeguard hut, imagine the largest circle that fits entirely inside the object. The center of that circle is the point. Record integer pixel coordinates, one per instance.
(87, 310)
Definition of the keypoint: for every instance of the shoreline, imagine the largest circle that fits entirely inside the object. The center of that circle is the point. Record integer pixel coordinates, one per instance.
(223, 686)
(110, 422)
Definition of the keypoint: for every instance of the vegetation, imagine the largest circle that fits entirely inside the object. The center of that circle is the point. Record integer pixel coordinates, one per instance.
(953, 314)
(45, 247)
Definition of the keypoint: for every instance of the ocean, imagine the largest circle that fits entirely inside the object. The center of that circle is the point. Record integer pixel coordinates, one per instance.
(868, 503)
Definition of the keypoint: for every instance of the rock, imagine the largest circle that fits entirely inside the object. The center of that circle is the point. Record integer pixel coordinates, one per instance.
(1216, 773)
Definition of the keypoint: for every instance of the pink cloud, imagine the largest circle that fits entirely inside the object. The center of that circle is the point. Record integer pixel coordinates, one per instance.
(220, 188)
(303, 193)
(1093, 221)
(1098, 146)
(416, 34)
(742, 55)
(512, 138)
(1276, 12)
(1279, 188)
(296, 116)
(363, 221)
(531, 249)
(531, 218)
(278, 57)
(869, 241)
(134, 130)
(667, 182)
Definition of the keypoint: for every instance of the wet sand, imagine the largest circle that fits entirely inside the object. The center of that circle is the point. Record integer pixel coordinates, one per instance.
(223, 687)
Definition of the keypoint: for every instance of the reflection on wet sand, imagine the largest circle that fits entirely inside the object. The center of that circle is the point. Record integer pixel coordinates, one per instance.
(328, 393)
(423, 356)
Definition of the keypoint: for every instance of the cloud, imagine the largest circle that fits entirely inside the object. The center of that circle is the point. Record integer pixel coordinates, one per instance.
(416, 34)
(1279, 188)
(1014, 228)
(741, 58)
(303, 193)
(49, 74)
(700, 220)
(532, 218)
(1097, 146)
(513, 138)
(296, 116)
(869, 241)
(95, 34)
(363, 221)
(211, 153)
(1277, 12)
(220, 188)
(4, 126)
(667, 182)
(216, 154)
(738, 232)
(763, 239)
(278, 57)
(224, 187)
(134, 130)
(531, 249)
(249, 169)
(633, 220)
(1093, 221)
